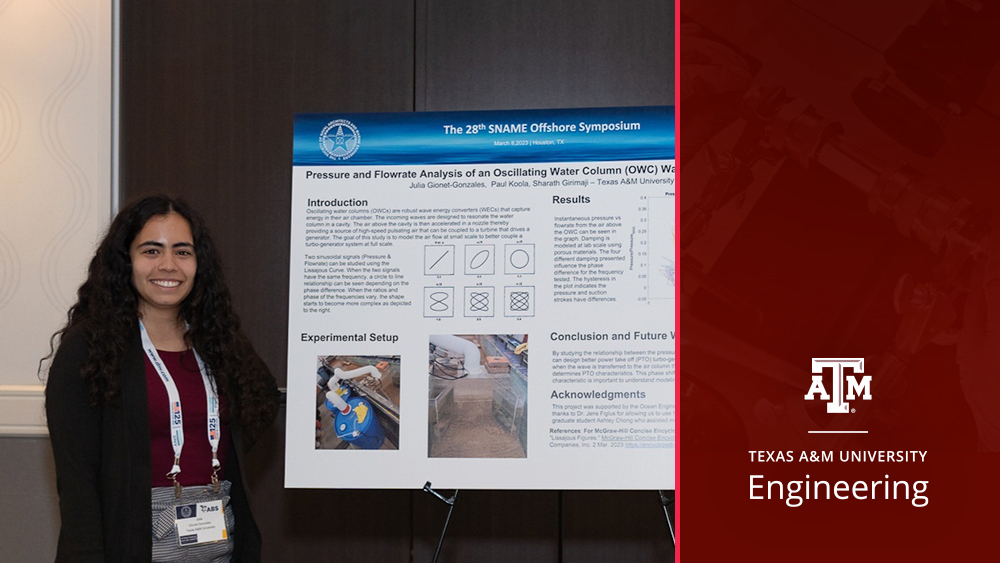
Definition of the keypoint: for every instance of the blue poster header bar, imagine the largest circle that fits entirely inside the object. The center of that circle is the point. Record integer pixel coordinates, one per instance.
(473, 137)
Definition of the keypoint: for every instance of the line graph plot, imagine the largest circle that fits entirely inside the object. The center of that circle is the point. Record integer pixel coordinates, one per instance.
(662, 270)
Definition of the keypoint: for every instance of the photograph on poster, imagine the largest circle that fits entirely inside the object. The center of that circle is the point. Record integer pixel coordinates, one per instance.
(477, 407)
(357, 402)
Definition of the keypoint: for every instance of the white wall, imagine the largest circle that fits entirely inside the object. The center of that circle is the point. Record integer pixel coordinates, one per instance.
(56, 109)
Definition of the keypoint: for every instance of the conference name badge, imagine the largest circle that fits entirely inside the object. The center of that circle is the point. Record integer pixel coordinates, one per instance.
(202, 522)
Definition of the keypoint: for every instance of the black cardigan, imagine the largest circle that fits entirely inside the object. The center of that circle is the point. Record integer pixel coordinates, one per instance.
(102, 457)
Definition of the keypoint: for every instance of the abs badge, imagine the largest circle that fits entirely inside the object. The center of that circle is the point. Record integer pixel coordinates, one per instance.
(854, 388)
(201, 522)
(340, 139)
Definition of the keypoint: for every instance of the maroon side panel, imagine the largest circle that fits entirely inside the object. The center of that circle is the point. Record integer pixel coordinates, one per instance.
(838, 182)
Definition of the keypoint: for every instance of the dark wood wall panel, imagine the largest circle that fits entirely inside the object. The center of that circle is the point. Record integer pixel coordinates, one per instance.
(490, 527)
(522, 54)
(308, 525)
(209, 91)
(615, 526)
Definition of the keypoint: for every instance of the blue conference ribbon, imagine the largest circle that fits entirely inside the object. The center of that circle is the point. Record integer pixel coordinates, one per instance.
(488, 137)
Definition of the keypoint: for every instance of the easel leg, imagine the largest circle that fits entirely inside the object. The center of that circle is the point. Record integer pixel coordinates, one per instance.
(451, 506)
(667, 500)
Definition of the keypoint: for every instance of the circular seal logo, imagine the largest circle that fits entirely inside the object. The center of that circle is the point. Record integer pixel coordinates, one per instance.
(340, 139)
(186, 511)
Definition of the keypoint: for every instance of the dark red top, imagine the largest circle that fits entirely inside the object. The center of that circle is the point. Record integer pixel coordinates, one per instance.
(196, 457)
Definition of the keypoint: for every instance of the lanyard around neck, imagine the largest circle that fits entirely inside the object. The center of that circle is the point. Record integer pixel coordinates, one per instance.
(176, 415)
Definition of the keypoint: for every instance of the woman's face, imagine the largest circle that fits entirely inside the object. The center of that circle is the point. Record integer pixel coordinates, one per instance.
(163, 264)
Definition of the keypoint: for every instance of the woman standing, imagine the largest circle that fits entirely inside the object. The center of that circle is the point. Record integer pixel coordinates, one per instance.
(152, 396)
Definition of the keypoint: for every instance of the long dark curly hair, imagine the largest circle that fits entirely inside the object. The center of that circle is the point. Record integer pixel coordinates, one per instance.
(107, 307)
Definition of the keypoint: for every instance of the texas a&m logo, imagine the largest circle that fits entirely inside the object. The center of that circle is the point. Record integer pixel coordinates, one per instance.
(854, 388)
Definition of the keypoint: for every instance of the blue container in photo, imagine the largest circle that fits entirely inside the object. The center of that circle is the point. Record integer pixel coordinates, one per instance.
(345, 394)
(359, 427)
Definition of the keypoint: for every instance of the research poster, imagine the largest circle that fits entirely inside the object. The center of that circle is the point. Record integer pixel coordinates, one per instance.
(482, 300)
